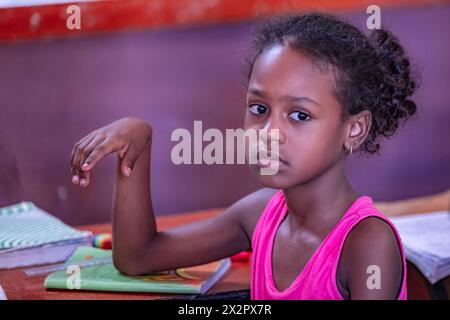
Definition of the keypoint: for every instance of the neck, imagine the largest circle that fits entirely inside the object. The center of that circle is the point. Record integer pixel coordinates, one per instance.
(318, 204)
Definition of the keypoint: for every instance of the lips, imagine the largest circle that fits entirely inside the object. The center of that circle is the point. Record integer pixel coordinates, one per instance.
(274, 160)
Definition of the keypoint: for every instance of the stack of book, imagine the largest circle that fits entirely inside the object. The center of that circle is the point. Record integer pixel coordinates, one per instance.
(426, 240)
(31, 236)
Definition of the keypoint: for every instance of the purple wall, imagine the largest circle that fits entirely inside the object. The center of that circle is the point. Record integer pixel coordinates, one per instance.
(54, 92)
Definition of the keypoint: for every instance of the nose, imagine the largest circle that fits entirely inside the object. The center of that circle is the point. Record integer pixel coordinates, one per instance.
(273, 130)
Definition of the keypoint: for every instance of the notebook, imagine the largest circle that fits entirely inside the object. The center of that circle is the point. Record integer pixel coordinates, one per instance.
(31, 236)
(426, 240)
(2, 294)
(191, 280)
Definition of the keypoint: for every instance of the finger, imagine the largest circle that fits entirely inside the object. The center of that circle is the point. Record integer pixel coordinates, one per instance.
(86, 152)
(86, 179)
(77, 156)
(75, 175)
(74, 170)
(89, 148)
(74, 149)
(99, 152)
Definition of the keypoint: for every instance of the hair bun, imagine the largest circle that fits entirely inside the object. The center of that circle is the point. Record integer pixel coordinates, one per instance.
(397, 84)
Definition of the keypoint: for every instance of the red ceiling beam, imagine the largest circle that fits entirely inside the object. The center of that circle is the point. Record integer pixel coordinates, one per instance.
(49, 21)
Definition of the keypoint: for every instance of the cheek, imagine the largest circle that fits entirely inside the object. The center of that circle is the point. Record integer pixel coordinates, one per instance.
(309, 150)
(316, 146)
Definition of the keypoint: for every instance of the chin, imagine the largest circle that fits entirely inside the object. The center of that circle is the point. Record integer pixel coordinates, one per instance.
(280, 180)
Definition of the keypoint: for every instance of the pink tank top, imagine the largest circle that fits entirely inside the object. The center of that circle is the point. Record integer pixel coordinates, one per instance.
(317, 281)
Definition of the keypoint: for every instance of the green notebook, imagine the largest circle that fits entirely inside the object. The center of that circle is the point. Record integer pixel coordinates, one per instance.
(197, 279)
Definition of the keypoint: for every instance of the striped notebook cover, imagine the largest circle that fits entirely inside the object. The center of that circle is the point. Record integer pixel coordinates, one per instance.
(24, 225)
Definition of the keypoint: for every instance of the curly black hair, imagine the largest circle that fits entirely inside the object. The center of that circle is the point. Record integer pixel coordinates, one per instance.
(371, 72)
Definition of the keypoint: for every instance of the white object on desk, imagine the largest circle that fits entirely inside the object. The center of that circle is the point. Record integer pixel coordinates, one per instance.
(2, 294)
(426, 240)
(30, 236)
(63, 266)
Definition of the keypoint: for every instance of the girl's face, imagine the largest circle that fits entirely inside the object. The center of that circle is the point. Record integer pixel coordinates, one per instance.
(287, 92)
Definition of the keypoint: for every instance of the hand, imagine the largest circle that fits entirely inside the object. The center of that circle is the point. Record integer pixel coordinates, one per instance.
(128, 137)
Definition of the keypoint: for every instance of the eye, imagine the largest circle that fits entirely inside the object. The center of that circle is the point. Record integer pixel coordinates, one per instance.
(300, 116)
(257, 109)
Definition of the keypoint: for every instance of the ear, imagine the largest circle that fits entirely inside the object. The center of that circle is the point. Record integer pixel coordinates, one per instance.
(358, 129)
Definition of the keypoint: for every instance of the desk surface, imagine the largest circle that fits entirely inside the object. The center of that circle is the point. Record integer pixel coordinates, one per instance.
(17, 285)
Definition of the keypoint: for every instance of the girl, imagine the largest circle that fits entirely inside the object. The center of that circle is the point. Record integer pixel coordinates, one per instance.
(329, 91)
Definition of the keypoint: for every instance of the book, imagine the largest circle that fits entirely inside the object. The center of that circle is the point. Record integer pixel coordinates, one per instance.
(31, 236)
(426, 241)
(192, 280)
(2, 294)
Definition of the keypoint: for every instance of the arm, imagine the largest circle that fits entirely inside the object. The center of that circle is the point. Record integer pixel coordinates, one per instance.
(138, 246)
(371, 262)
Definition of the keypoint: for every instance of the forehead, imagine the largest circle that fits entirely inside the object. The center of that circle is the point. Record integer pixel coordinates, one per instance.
(281, 70)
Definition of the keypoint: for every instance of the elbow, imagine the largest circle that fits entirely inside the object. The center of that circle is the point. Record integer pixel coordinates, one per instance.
(128, 266)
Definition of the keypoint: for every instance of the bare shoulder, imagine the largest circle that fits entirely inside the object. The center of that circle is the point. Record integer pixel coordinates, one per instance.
(371, 230)
(248, 209)
(372, 247)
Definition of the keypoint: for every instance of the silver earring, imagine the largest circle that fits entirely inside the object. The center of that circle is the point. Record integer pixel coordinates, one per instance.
(351, 149)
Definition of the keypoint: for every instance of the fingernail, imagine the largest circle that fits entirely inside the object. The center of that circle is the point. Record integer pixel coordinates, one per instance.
(129, 171)
(83, 181)
(75, 179)
(84, 165)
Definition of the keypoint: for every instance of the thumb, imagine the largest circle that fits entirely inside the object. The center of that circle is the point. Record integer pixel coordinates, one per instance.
(125, 168)
(127, 164)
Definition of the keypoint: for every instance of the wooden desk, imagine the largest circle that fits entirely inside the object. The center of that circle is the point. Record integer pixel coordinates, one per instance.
(17, 285)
